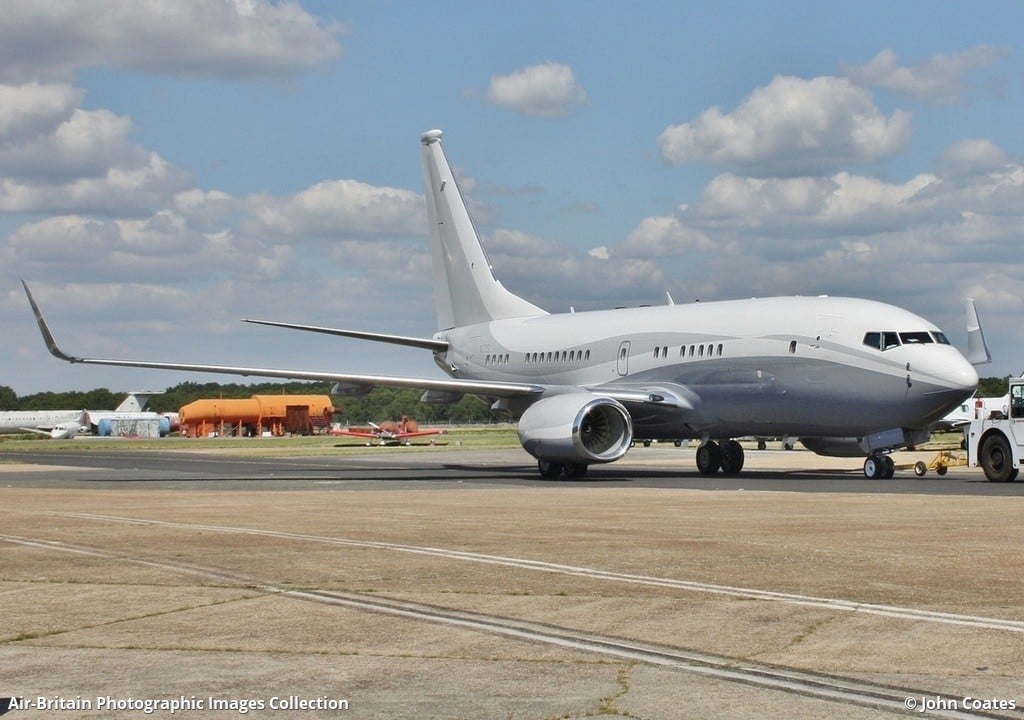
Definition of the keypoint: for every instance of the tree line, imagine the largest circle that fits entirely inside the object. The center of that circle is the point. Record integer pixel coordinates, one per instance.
(380, 404)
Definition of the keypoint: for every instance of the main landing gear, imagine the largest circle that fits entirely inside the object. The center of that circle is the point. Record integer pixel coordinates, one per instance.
(551, 470)
(727, 457)
(879, 467)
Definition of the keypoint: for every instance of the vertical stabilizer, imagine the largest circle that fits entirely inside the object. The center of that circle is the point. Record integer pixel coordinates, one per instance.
(466, 291)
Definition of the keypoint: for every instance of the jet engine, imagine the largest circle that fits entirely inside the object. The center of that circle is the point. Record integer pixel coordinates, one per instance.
(576, 428)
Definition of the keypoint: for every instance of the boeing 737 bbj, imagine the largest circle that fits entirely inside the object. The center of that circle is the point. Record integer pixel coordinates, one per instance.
(585, 385)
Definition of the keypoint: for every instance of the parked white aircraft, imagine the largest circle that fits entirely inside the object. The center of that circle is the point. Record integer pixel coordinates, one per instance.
(58, 424)
(584, 385)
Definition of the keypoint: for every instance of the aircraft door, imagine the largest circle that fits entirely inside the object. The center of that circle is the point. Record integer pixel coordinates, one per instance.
(622, 365)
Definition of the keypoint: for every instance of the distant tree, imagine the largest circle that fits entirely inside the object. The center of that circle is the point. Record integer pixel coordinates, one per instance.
(8, 398)
(993, 386)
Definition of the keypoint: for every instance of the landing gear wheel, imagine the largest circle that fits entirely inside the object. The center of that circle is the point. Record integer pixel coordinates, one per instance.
(574, 471)
(732, 458)
(920, 468)
(997, 459)
(888, 468)
(709, 458)
(550, 470)
(874, 467)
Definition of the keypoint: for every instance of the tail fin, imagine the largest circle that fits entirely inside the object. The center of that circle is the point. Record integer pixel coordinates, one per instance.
(465, 290)
(135, 401)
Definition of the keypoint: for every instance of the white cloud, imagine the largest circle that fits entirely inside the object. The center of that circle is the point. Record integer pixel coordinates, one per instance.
(941, 79)
(844, 234)
(339, 208)
(546, 90)
(34, 109)
(229, 38)
(791, 127)
(971, 157)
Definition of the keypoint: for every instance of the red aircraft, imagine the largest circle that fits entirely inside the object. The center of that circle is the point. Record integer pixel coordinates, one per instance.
(389, 433)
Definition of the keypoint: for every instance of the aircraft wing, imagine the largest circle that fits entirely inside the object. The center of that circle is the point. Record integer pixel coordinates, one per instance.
(355, 433)
(425, 343)
(418, 433)
(472, 387)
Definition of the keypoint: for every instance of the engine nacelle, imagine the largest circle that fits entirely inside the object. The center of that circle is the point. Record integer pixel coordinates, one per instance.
(576, 428)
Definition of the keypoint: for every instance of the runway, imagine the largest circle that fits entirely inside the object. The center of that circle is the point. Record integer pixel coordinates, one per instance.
(778, 471)
(450, 583)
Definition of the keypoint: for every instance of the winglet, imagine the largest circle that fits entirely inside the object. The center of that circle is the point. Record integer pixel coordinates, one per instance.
(977, 348)
(51, 344)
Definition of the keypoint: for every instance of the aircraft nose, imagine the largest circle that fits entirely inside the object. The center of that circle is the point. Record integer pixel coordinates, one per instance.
(960, 375)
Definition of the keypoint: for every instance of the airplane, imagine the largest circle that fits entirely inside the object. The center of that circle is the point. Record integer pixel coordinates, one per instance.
(585, 385)
(57, 424)
(389, 433)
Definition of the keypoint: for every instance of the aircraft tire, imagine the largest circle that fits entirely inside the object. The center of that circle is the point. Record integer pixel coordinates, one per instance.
(874, 469)
(888, 468)
(709, 458)
(574, 471)
(920, 468)
(732, 458)
(550, 470)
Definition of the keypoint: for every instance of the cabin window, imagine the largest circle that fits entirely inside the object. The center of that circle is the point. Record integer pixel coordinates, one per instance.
(700, 351)
(693, 349)
(587, 355)
(719, 350)
(656, 351)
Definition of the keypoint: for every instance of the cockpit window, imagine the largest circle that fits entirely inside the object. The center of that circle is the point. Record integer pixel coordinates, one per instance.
(873, 340)
(940, 338)
(915, 338)
(890, 340)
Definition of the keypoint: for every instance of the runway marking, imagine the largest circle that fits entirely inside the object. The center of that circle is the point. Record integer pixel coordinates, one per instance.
(904, 613)
(820, 686)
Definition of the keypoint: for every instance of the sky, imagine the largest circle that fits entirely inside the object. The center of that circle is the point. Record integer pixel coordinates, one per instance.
(168, 168)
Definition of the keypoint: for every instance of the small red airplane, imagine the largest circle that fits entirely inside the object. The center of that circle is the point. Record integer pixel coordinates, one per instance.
(389, 433)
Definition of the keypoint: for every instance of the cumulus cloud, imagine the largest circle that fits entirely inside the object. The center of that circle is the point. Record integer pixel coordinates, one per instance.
(232, 38)
(941, 79)
(546, 90)
(972, 156)
(791, 127)
(339, 208)
(840, 234)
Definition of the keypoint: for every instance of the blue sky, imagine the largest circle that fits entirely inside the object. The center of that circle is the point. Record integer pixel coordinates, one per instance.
(168, 169)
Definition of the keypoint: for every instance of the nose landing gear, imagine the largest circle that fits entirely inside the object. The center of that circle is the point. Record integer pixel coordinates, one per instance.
(879, 467)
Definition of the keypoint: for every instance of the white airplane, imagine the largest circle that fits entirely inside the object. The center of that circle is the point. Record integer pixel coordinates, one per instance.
(585, 385)
(58, 424)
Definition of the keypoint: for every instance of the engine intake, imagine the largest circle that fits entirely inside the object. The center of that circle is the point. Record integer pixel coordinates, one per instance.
(576, 428)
